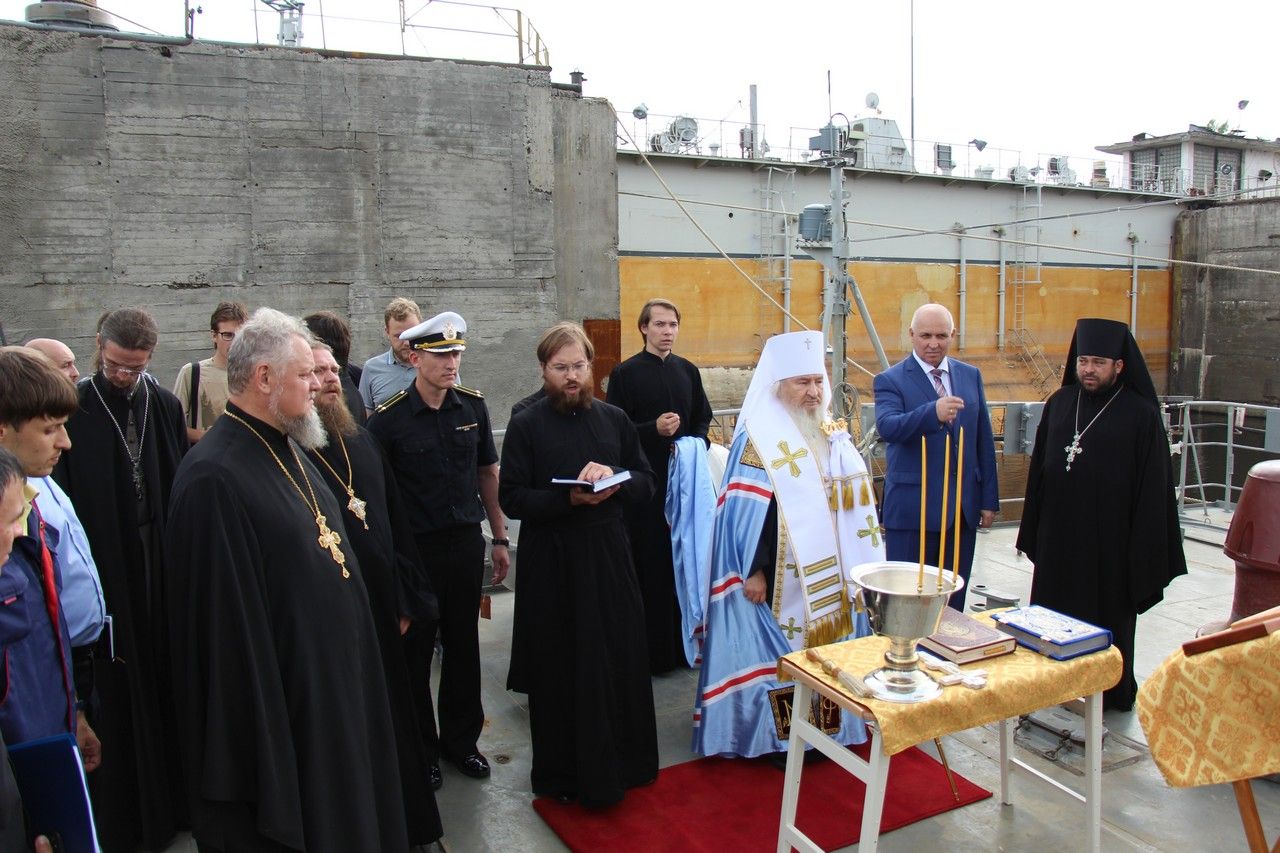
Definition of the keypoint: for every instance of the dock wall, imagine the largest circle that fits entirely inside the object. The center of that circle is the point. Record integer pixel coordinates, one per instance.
(177, 176)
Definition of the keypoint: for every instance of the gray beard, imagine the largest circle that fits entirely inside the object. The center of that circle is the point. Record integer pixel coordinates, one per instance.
(306, 429)
(810, 426)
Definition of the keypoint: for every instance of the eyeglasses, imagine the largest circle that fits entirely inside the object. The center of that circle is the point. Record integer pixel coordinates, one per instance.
(566, 369)
(226, 336)
(109, 366)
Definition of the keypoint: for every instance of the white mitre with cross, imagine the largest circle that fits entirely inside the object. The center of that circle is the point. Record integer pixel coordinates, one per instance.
(826, 509)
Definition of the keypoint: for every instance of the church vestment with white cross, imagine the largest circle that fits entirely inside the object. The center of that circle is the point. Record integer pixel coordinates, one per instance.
(826, 525)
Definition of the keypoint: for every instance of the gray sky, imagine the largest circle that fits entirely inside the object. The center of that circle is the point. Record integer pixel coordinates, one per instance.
(1040, 78)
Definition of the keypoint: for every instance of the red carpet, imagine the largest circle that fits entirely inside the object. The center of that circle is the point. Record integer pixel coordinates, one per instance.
(717, 804)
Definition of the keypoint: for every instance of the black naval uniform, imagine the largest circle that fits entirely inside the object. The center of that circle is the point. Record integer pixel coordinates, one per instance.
(436, 454)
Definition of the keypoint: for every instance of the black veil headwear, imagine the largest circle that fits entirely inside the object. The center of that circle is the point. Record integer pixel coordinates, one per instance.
(1110, 339)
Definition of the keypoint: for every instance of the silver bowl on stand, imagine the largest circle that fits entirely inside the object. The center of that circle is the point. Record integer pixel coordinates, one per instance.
(904, 613)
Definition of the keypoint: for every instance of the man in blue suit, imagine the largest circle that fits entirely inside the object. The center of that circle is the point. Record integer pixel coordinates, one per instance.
(928, 394)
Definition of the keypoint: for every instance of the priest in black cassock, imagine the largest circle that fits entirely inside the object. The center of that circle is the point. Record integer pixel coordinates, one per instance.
(127, 440)
(1100, 523)
(287, 733)
(578, 641)
(357, 473)
(662, 395)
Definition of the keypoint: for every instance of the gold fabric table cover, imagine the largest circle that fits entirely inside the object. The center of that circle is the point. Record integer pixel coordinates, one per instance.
(1215, 717)
(1017, 683)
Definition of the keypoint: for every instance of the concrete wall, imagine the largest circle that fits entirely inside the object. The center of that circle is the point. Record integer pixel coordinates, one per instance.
(174, 177)
(1227, 325)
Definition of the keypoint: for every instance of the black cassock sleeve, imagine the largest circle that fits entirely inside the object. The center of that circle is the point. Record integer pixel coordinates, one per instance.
(232, 716)
(1155, 544)
(700, 413)
(518, 494)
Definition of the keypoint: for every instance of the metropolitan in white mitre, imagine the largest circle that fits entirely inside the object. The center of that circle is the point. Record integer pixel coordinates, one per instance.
(795, 514)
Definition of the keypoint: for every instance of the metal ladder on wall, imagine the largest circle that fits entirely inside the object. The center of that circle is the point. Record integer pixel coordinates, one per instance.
(776, 239)
(1026, 274)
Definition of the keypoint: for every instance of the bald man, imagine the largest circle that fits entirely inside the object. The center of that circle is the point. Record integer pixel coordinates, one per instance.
(930, 395)
(59, 353)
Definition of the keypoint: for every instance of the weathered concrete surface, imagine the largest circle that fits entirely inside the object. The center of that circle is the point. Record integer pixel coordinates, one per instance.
(1227, 322)
(174, 177)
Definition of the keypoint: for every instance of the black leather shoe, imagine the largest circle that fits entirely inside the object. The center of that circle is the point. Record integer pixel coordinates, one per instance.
(435, 776)
(473, 765)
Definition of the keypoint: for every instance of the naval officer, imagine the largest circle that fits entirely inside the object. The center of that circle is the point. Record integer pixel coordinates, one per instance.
(437, 436)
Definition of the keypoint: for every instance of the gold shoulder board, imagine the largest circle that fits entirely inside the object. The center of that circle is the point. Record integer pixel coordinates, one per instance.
(468, 391)
(391, 401)
(750, 457)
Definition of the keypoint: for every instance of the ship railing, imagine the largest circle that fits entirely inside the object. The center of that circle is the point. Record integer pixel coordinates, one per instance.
(1203, 183)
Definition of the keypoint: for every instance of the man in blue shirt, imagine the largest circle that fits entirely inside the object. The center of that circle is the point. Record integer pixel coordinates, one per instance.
(35, 402)
(389, 373)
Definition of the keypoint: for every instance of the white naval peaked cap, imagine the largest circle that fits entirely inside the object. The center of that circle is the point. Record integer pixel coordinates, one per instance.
(442, 333)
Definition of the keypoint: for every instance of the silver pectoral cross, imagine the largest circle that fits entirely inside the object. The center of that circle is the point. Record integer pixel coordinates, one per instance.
(1073, 450)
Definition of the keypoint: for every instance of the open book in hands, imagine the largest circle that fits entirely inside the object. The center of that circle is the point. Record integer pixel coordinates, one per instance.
(598, 485)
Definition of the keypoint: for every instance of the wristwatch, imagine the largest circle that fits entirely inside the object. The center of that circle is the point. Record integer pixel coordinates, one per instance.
(505, 543)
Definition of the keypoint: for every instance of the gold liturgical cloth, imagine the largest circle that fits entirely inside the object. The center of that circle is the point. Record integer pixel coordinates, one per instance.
(1017, 683)
(1215, 717)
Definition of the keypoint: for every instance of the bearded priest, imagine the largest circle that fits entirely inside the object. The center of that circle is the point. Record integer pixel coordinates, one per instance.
(796, 513)
(578, 636)
(282, 702)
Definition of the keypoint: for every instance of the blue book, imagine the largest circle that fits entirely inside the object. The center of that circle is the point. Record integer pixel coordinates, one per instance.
(1052, 634)
(54, 792)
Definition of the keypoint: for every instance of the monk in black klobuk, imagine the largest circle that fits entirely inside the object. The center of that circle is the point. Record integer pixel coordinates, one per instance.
(1100, 523)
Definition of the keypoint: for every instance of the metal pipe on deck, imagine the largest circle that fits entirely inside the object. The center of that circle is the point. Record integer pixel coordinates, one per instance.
(1133, 283)
(999, 232)
(964, 285)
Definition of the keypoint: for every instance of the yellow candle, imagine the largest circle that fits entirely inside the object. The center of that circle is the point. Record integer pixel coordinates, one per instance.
(924, 490)
(942, 516)
(955, 558)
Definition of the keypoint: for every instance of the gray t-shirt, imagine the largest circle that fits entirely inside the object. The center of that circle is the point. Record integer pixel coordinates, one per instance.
(383, 376)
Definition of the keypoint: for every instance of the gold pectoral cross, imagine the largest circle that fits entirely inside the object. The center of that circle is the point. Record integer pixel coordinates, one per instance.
(330, 540)
(789, 458)
(873, 530)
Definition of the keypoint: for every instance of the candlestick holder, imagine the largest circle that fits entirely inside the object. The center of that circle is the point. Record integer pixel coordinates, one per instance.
(900, 610)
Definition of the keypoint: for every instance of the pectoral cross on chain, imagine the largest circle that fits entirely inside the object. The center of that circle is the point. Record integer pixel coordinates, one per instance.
(873, 530)
(1073, 450)
(330, 540)
(789, 458)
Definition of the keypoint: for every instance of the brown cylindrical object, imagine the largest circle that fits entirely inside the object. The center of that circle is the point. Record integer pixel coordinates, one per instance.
(1253, 542)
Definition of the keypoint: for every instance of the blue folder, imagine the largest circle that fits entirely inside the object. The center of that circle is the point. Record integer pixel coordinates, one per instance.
(54, 791)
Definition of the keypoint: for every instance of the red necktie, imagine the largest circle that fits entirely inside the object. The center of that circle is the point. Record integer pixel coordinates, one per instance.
(937, 382)
(51, 602)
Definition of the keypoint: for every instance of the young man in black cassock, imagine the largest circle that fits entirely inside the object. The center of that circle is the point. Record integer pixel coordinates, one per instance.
(127, 440)
(662, 394)
(1099, 522)
(356, 472)
(577, 645)
(287, 732)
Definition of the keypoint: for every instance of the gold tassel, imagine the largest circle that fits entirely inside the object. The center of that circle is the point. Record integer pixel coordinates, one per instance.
(830, 628)
(848, 495)
(866, 493)
(833, 499)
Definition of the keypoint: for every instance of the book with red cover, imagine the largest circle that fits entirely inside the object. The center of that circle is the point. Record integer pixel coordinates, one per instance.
(963, 639)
